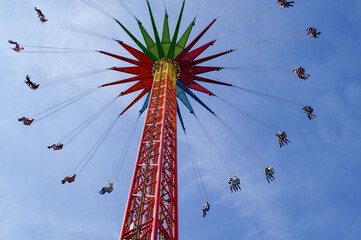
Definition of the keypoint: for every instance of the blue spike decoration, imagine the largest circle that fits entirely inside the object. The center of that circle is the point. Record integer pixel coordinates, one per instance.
(145, 105)
(190, 93)
(180, 117)
(181, 95)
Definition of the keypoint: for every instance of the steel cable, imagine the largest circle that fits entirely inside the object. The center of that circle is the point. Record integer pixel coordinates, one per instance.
(225, 163)
(80, 128)
(225, 8)
(248, 148)
(265, 95)
(123, 156)
(200, 8)
(95, 147)
(98, 8)
(196, 170)
(66, 103)
(246, 22)
(248, 115)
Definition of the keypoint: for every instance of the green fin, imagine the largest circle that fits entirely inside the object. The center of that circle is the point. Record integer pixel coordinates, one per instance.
(166, 36)
(148, 40)
(175, 35)
(144, 49)
(183, 40)
(156, 35)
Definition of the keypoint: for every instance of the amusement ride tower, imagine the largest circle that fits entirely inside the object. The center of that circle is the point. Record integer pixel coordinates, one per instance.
(165, 69)
(166, 72)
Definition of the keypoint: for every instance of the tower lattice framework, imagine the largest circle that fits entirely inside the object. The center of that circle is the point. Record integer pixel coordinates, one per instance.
(151, 211)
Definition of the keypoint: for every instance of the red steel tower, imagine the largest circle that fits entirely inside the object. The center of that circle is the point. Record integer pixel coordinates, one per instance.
(152, 203)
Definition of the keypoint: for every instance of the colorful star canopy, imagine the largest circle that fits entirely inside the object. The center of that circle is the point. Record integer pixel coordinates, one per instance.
(167, 47)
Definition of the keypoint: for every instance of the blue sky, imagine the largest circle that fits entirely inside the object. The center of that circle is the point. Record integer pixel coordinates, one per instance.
(316, 191)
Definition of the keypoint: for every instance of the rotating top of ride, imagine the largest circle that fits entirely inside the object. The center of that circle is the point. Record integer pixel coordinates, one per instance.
(166, 48)
(166, 61)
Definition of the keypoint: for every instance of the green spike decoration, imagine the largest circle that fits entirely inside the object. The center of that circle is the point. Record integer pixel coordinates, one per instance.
(155, 31)
(165, 48)
(148, 40)
(166, 36)
(144, 49)
(183, 40)
(174, 39)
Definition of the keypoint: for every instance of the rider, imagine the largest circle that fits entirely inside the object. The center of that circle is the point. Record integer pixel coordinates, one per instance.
(40, 15)
(31, 84)
(107, 189)
(205, 209)
(269, 173)
(57, 146)
(15, 46)
(301, 73)
(68, 179)
(236, 183)
(282, 138)
(26, 121)
(309, 110)
(284, 3)
(232, 185)
(313, 32)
